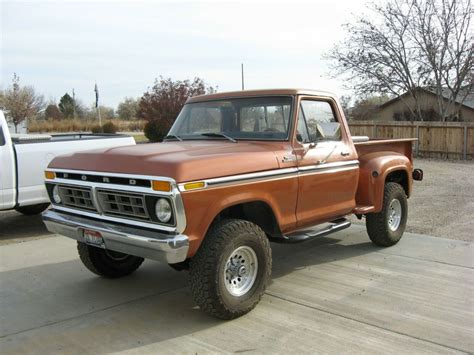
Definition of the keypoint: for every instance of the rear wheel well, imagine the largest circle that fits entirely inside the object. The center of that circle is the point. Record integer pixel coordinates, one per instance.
(400, 177)
(257, 212)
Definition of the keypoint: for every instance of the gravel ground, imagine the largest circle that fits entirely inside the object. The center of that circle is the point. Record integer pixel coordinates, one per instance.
(442, 205)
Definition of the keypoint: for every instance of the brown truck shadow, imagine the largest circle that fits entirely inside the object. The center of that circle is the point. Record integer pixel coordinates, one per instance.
(288, 258)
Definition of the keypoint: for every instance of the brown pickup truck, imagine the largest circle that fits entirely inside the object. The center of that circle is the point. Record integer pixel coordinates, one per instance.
(238, 170)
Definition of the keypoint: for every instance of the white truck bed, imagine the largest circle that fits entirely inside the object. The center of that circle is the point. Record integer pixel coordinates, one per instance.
(23, 159)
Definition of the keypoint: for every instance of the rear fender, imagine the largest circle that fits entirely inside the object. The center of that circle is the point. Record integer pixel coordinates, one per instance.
(374, 169)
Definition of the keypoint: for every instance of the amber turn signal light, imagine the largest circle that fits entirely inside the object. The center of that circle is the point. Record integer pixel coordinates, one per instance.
(161, 186)
(194, 185)
(50, 175)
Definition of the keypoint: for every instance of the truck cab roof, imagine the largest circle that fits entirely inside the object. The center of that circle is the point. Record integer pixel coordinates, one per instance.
(259, 93)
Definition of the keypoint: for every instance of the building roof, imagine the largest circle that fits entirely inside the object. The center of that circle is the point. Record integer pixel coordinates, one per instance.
(468, 102)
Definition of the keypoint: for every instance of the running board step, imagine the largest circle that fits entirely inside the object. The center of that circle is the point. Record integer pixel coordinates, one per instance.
(308, 234)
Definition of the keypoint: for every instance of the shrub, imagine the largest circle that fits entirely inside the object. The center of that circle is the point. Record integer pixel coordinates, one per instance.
(96, 129)
(155, 131)
(109, 127)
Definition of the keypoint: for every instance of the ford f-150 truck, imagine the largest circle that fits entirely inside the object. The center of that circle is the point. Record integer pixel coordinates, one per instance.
(23, 159)
(236, 171)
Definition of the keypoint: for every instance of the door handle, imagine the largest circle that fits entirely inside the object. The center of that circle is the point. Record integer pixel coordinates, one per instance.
(345, 154)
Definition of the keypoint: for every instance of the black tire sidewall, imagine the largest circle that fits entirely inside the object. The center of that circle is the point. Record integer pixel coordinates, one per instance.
(101, 259)
(377, 223)
(97, 261)
(32, 210)
(401, 197)
(236, 303)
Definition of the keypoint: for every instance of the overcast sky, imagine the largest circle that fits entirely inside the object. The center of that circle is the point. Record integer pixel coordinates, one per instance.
(124, 46)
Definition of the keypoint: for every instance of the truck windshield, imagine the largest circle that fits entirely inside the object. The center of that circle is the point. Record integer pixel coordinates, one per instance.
(263, 118)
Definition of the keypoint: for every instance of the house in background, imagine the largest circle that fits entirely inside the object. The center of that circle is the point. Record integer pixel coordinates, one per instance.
(22, 127)
(396, 109)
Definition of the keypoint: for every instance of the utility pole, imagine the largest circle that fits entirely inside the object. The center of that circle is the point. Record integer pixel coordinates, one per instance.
(242, 70)
(96, 89)
(73, 104)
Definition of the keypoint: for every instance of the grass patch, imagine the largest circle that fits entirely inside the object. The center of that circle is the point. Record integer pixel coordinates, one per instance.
(140, 138)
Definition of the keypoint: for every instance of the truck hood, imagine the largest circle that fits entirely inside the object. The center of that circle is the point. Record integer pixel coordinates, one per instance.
(182, 161)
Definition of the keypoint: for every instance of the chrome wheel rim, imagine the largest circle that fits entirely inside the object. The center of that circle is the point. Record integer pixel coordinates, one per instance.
(394, 215)
(240, 271)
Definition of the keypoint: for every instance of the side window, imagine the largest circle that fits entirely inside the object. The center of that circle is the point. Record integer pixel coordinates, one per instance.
(301, 130)
(320, 120)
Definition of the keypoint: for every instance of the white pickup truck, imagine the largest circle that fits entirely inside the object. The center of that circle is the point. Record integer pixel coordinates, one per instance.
(23, 159)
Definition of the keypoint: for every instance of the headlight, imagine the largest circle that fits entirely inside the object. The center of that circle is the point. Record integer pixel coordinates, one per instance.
(163, 210)
(56, 197)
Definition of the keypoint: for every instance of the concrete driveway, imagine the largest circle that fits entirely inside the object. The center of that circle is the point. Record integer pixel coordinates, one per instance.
(331, 295)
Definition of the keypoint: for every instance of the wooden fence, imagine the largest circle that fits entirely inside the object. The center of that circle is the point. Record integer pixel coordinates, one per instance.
(441, 140)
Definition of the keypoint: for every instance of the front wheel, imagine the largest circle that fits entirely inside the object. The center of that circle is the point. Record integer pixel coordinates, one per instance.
(386, 227)
(231, 269)
(107, 263)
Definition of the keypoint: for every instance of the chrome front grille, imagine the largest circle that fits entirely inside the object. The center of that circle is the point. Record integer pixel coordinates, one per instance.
(77, 197)
(106, 196)
(115, 203)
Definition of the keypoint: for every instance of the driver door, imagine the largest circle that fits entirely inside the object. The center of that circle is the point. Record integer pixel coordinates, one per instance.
(327, 166)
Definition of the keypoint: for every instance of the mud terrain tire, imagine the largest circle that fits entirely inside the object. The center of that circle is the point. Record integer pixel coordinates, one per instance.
(230, 271)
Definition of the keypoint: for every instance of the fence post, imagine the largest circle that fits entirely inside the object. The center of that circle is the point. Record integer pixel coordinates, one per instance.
(417, 145)
(374, 130)
(464, 155)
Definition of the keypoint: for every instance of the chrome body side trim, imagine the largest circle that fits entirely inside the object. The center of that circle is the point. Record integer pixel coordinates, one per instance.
(326, 171)
(245, 178)
(277, 174)
(325, 166)
(139, 242)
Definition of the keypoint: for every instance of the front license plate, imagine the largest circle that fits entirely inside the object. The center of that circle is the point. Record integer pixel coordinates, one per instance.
(93, 238)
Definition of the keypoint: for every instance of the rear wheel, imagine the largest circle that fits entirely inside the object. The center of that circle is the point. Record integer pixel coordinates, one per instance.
(386, 227)
(107, 263)
(231, 269)
(33, 209)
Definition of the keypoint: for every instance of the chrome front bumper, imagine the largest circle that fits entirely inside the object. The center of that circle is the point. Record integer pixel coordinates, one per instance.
(169, 248)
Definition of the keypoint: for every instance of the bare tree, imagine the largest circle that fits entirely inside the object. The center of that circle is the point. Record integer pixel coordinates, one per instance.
(408, 44)
(20, 103)
(345, 101)
(442, 32)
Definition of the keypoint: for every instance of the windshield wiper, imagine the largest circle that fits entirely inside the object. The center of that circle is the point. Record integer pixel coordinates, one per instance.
(171, 136)
(215, 134)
